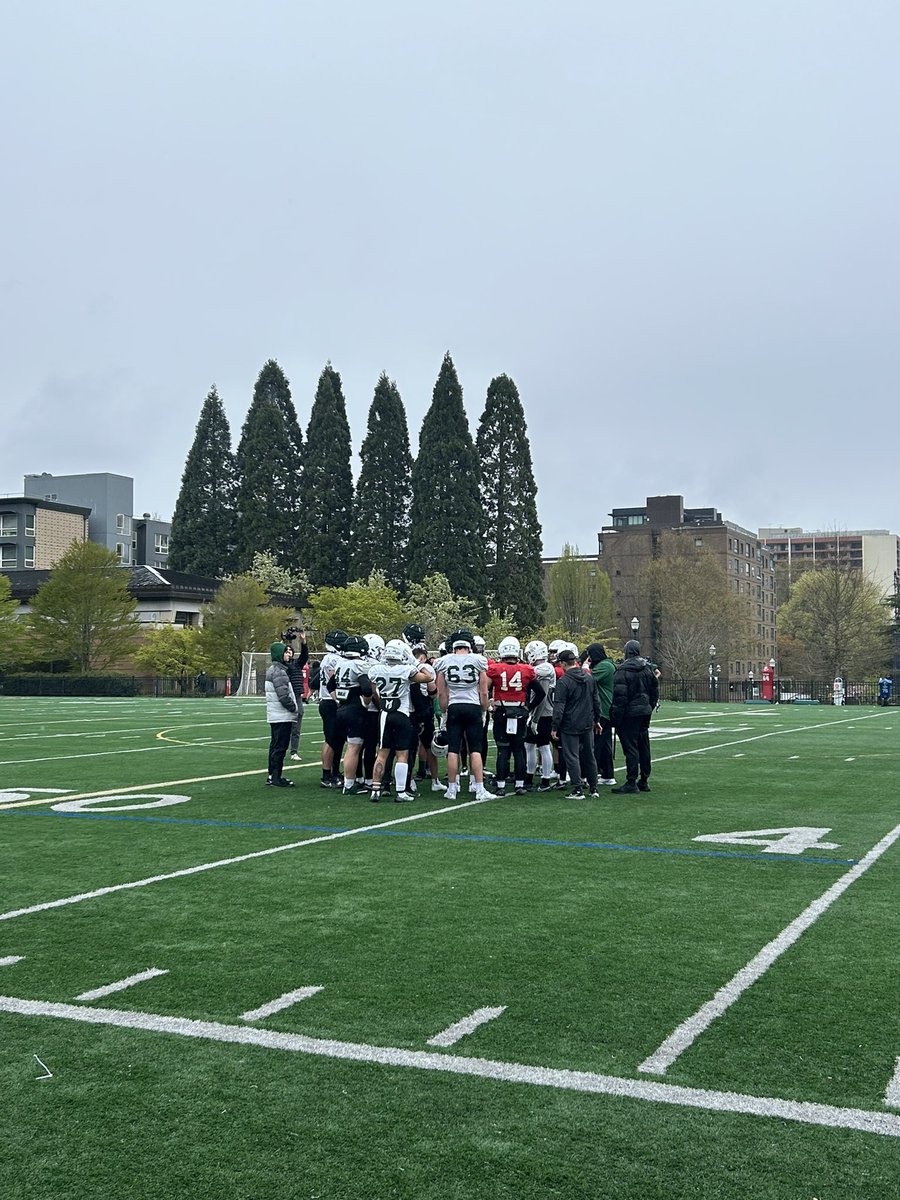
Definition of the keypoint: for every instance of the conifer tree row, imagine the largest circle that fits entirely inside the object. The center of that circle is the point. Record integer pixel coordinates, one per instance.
(467, 511)
(203, 523)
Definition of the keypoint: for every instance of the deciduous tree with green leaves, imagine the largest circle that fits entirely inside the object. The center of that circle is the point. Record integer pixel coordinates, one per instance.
(172, 650)
(203, 524)
(240, 618)
(381, 505)
(512, 531)
(687, 589)
(445, 517)
(433, 605)
(366, 606)
(580, 601)
(326, 487)
(279, 580)
(85, 612)
(837, 615)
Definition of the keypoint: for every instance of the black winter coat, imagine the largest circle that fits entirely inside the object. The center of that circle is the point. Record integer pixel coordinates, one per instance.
(635, 691)
(576, 703)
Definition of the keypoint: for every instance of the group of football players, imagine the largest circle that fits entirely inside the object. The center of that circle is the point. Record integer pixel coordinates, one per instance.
(390, 711)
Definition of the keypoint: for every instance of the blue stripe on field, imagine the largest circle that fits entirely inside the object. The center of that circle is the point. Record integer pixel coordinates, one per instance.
(453, 837)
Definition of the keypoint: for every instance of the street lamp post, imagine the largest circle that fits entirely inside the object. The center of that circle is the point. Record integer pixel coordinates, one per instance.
(635, 626)
(712, 672)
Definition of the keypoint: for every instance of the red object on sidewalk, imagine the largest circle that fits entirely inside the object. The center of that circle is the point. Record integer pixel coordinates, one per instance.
(768, 677)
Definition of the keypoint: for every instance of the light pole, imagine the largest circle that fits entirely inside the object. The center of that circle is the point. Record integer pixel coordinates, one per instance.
(635, 626)
(712, 671)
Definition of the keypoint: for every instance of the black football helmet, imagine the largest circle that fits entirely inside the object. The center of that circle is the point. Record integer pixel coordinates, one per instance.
(461, 637)
(413, 634)
(355, 647)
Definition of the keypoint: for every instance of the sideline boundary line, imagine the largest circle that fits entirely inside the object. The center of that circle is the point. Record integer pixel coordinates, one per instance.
(688, 1031)
(805, 1112)
(228, 862)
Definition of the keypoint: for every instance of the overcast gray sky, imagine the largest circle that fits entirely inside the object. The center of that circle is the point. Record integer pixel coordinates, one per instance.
(674, 225)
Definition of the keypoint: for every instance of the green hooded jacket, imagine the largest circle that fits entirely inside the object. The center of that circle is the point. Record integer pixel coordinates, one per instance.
(603, 672)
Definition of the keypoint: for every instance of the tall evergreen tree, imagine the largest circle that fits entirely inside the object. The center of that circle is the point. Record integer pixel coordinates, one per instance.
(272, 382)
(267, 465)
(203, 524)
(445, 515)
(264, 459)
(512, 530)
(381, 507)
(326, 487)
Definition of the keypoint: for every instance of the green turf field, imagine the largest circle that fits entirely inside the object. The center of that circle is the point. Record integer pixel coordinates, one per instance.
(320, 997)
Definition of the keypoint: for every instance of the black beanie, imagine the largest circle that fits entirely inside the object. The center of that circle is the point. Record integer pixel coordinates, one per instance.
(595, 652)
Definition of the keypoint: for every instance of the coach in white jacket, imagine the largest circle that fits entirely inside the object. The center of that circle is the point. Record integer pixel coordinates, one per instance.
(281, 709)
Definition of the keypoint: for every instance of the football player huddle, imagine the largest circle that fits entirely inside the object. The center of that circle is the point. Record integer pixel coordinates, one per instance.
(390, 711)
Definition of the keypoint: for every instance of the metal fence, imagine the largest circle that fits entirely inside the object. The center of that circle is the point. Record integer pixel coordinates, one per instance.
(786, 691)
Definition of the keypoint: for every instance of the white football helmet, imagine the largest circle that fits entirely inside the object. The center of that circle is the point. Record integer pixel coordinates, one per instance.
(536, 652)
(396, 652)
(439, 744)
(554, 648)
(509, 648)
(570, 646)
(479, 643)
(375, 642)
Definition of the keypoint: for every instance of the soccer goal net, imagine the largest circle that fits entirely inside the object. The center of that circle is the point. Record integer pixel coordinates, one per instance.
(254, 664)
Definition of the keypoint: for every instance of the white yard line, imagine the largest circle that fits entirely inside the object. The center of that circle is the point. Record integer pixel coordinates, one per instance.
(16, 762)
(467, 1025)
(830, 1116)
(142, 787)
(684, 1036)
(285, 1001)
(892, 1095)
(228, 862)
(10, 960)
(121, 984)
(150, 728)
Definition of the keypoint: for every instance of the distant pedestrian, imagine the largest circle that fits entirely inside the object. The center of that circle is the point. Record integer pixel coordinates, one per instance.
(281, 709)
(576, 718)
(635, 696)
(885, 687)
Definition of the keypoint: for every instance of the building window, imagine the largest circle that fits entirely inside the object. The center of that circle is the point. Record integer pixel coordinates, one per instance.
(7, 558)
(185, 618)
(123, 523)
(123, 553)
(9, 525)
(161, 543)
(29, 524)
(29, 557)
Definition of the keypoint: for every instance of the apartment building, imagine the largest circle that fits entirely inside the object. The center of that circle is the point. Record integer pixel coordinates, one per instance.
(109, 498)
(34, 534)
(875, 552)
(633, 539)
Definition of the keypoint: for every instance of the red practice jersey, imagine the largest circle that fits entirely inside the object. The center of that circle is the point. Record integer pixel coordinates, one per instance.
(509, 681)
